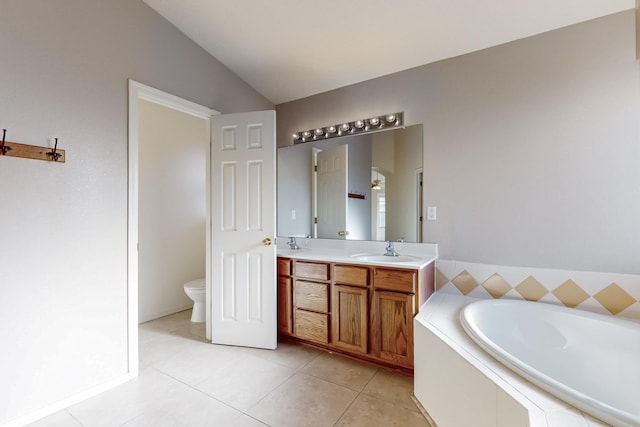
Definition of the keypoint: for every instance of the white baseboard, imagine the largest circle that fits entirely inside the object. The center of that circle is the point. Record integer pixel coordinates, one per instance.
(59, 406)
(161, 313)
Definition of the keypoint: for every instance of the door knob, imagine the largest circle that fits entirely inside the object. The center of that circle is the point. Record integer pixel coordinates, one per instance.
(266, 241)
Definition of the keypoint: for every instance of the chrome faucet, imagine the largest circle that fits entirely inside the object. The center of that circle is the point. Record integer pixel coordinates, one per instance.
(292, 243)
(390, 250)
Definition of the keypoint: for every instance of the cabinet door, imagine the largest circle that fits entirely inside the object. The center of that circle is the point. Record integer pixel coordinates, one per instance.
(392, 327)
(285, 306)
(349, 317)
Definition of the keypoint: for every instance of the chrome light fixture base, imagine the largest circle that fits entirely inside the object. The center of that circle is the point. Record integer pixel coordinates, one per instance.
(356, 127)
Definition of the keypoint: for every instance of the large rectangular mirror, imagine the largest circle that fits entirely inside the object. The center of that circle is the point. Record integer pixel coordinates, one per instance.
(361, 187)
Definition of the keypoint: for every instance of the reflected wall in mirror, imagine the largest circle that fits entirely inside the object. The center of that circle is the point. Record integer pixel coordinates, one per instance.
(365, 187)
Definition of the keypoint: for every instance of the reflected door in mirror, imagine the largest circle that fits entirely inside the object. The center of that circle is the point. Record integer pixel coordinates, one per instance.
(332, 193)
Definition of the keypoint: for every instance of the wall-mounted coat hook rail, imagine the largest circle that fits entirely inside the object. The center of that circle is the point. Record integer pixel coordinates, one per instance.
(14, 149)
(4, 148)
(53, 153)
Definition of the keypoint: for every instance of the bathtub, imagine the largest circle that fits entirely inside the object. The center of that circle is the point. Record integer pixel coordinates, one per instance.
(589, 360)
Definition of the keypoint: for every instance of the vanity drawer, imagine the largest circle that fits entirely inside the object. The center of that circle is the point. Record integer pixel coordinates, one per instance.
(312, 270)
(399, 280)
(351, 275)
(312, 326)
(284, 267)
(311, 296)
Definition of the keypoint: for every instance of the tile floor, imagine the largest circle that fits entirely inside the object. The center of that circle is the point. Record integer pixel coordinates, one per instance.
(185, 381)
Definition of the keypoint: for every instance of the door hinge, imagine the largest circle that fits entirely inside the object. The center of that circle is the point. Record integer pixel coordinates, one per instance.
(315, 168)
(315, 220)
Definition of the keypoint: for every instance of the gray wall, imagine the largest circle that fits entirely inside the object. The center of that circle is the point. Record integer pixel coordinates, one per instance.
(530, 148)
(402, 186)
(63, 247)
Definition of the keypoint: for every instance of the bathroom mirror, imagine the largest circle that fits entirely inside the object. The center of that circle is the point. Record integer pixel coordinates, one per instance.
(360, 187)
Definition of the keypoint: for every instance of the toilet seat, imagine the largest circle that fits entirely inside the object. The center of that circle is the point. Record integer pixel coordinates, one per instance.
(195, 284)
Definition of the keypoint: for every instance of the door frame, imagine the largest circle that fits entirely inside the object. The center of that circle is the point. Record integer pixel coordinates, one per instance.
(139, 91)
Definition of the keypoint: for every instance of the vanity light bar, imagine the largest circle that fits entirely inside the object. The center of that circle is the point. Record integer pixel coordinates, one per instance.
(373, 124)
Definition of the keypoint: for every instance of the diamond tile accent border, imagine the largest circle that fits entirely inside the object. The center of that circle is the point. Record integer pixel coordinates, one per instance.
(496, 286)
(464, 282)
(531, 289)
(606, 293)
(441, 279)
(570, 294)
(614, 298)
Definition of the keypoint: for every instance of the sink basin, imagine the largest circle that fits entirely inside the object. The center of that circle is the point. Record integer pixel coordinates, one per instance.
(384, 258)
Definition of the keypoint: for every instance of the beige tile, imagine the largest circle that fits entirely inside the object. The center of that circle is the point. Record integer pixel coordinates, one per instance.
(246, 421)
(441, 279)
(198, 362)
(496, 286)
(392, 387)
(614, 298)
(367, 411)
(169, 323)
(290, 354)
(341, 370)
(151, 399)
(464, 282)
(304, 401)
(242, 380)
(59, 419)
(570, 294)
(531, 289)
(163, 347)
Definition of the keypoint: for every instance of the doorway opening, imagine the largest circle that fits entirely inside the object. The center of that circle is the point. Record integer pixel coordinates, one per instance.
(141, 99)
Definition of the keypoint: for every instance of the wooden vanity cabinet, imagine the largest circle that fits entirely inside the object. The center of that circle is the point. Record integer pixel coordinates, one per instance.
(362, 310)
(311, 283)
(397, 296)
(285, 296)
(350, 308)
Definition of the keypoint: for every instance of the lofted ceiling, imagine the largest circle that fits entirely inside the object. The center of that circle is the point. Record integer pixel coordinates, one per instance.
(291, 49)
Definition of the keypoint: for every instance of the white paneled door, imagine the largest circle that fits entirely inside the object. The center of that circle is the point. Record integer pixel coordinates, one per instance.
(332, 193)
(243, 222)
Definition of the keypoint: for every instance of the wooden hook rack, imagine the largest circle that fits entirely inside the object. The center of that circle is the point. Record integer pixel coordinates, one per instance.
(14, 149)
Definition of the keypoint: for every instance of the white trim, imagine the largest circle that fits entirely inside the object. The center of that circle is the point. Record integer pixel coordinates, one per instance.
(139, 91)
(59, 406)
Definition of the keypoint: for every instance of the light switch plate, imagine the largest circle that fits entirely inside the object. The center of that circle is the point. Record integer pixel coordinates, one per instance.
(431, 213)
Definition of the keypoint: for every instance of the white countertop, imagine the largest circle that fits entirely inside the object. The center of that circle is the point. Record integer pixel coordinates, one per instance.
(357, 252)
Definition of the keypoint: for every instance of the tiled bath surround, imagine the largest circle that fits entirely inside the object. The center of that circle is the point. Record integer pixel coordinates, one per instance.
(606, 293)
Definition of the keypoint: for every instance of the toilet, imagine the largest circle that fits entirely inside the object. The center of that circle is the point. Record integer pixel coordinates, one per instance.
(195, 290)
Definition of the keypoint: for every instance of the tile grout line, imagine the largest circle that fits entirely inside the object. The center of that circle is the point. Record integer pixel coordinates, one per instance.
(356, 398)
(197, 390)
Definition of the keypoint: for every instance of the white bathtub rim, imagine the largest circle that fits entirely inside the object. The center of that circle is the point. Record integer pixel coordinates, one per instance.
(584, 402)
